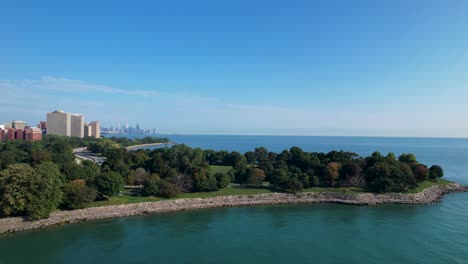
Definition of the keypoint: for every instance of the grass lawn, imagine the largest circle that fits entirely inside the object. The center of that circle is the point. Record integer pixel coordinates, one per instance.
(426, 184)
(219, 169)
(236, 190)
(225, 192)
(348, 190)
(126, 199)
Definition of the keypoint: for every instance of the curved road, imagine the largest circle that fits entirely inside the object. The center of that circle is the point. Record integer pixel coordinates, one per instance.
(85, 154)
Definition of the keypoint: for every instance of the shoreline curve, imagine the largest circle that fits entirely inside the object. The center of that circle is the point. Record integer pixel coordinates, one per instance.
(135, 147)
(430, 195)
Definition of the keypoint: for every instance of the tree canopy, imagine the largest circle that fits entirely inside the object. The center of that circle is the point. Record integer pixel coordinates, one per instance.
(37, 177)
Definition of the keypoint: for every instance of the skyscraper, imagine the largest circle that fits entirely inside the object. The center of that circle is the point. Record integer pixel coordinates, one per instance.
(59, 123)
(87, 130)
(95, 129)
(77, 126)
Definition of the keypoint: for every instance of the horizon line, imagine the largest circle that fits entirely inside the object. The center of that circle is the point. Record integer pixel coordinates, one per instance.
(301, 135)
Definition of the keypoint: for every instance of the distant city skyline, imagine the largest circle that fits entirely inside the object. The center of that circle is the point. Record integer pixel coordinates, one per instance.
(128, 129)
(337, 68)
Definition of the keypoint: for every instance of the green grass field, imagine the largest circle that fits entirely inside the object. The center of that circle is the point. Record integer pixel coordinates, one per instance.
(237, 190)
(219, 169)
(348, 190)
(426, 184)
(125, 199)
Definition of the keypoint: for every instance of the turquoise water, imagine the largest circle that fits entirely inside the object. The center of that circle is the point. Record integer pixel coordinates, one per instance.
(321, 233)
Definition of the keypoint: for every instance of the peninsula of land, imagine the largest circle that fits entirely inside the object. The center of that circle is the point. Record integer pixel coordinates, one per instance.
(76, 175)
(427, 196)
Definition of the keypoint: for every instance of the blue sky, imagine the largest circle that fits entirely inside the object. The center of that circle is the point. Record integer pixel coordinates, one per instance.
(338, 67)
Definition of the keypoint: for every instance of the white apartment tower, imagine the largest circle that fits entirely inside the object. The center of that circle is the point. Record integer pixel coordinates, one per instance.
(95, 129)
(59, 123)
(92, 129)
(77, 126)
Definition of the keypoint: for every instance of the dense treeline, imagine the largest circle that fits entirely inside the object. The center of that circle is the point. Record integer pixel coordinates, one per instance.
(38, 177)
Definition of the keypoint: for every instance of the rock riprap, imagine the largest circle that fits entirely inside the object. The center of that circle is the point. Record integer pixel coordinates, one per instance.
(427, 196)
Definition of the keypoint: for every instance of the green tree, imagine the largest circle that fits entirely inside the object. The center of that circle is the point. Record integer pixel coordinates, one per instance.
(407, 158)
(77, 194)
(14, 189)
(223, 180)
(304, 179)
(314, 180)
(376, 157)
(62, 152)
(167, 189)
(151, 185)
(212, 183)
(109, 183)
(261, 154)
(332, 172)
(255, 176)
(92, 165)
(140, 176)
(384, 177)
(235, 159)
(73, 171)
(350, 170)
(279, 177)
(40, 156)
(28, 191)
(200, 180)
(295, 185)
(250, 157)
(45, 190)
(435, 172)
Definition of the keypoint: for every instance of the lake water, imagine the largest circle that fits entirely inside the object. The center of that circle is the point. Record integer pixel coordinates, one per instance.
(317, 233)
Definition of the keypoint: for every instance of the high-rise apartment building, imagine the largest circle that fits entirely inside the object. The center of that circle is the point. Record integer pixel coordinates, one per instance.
(71, 125)
(87, 130)
(59, 123)
(95, 129)
(77, 126)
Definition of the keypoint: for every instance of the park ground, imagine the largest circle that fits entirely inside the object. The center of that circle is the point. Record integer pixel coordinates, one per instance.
(235, 189)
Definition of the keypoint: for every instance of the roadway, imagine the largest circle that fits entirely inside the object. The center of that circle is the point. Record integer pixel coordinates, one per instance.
(85, 154)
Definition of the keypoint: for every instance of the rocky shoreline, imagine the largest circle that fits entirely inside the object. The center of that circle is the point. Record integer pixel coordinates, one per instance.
(427, 196)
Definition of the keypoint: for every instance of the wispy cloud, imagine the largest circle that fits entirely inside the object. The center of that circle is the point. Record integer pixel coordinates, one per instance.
(175, 112)
(69, 86)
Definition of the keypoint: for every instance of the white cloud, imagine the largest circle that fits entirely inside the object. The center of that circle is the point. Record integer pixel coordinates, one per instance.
(188, 113)
(49, 83)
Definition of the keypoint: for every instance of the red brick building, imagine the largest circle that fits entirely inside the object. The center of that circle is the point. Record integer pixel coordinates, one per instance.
(19, 134)
(2, 134)
(42, 126)
(10, 135)
(32, 134)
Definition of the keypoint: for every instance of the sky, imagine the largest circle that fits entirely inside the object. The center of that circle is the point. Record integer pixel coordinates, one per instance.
(273, 67)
